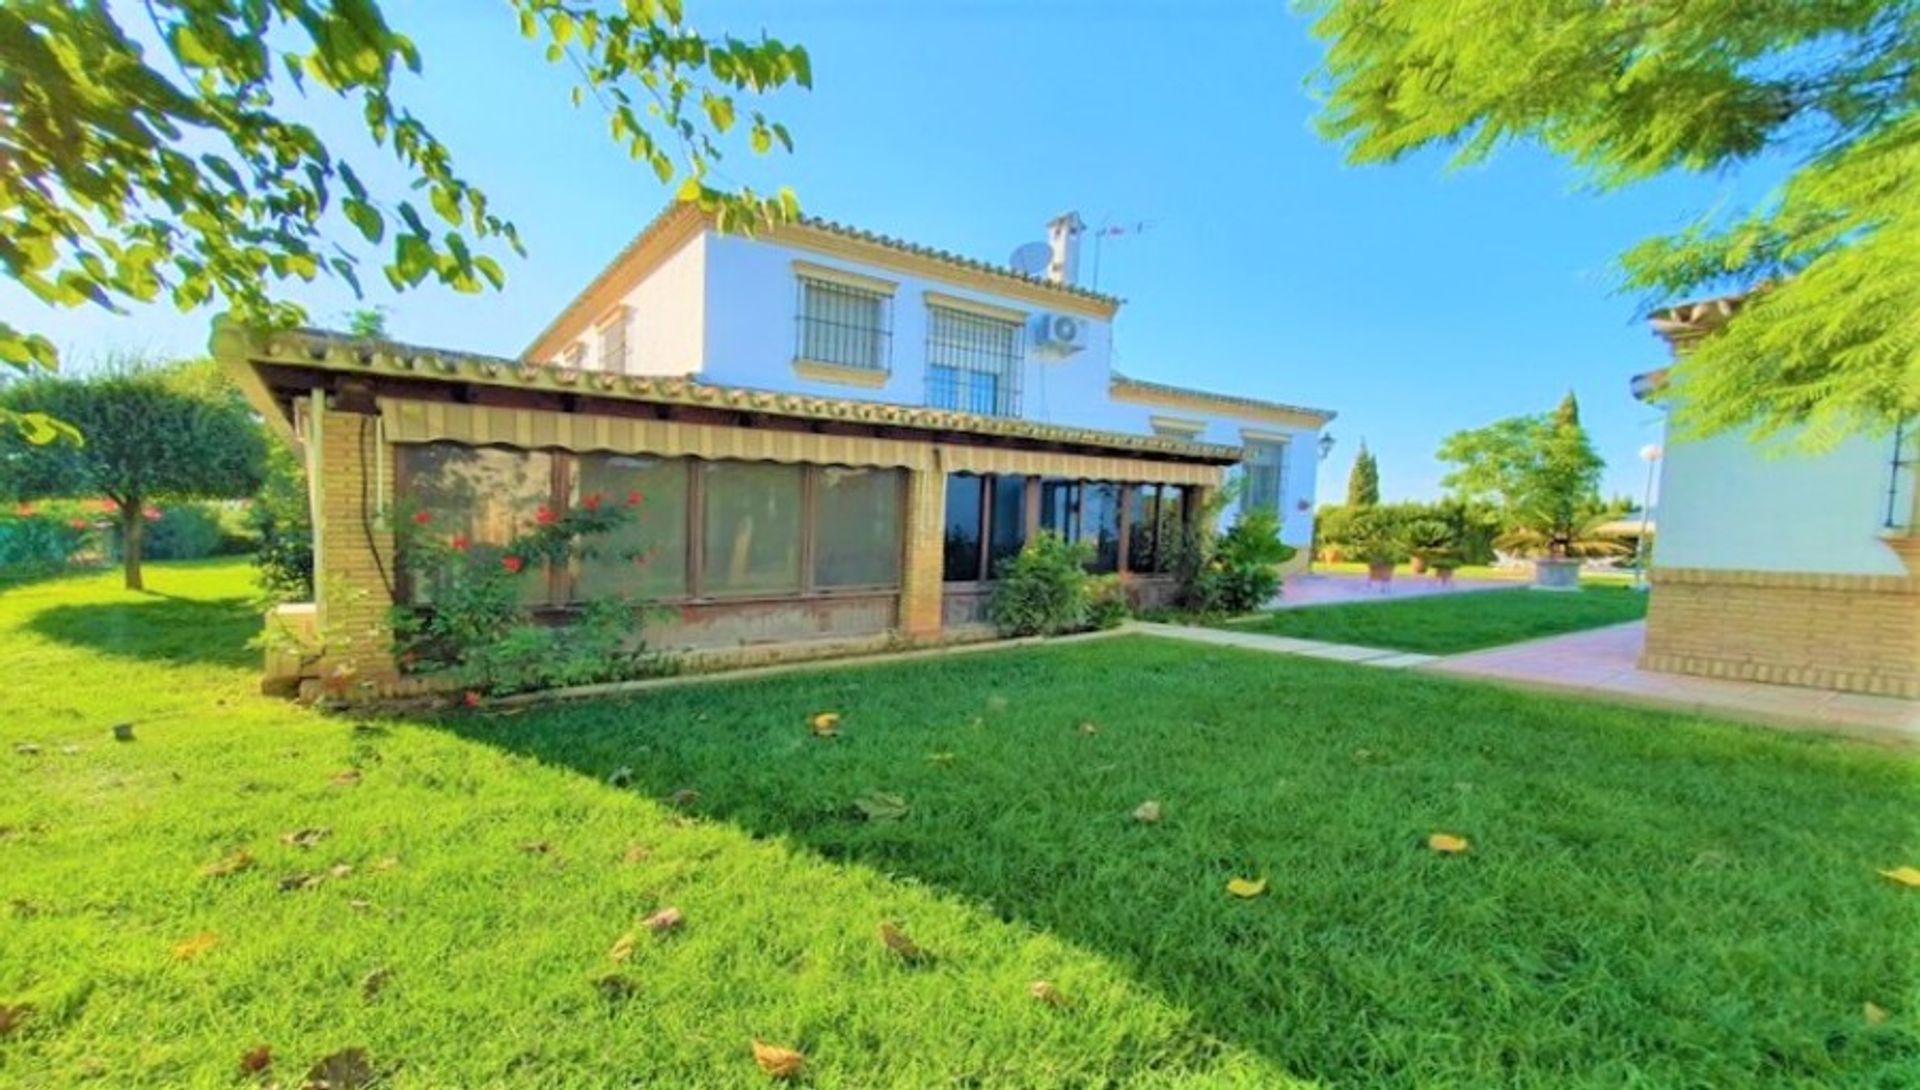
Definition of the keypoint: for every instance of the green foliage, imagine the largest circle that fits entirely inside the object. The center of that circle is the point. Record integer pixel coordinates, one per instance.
(1234, 572)
(1363, 481)
(472, 628)
(1043, 591)
(184, 531)
(38, 540)
(1541, 470)
(1376, 537)
(1107, 605)
(1449, 624)
(1631, 90)
(166, 167)
(150, 434)
(283, 522)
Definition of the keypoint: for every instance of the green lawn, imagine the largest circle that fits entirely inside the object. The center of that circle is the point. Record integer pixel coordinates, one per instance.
(1450, 623)
(1612, 577)
(1649, 901)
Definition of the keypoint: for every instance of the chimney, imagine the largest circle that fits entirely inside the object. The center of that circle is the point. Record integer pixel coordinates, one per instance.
(1063, 239)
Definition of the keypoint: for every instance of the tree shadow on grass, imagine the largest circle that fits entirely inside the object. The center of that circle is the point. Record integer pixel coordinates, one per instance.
(1630, 875)
(159, 628)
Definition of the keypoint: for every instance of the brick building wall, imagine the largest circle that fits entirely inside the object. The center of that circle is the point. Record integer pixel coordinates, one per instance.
(1855, 633)
(353, 550)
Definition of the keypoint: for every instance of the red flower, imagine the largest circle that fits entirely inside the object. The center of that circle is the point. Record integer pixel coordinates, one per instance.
(151, 514)
(460, 543)
(78, 523)
(109, 505)
(591, 503)
(471, 699)
(544, 516)
(634, 498)
(25, 510)
(421, 518)
(513, 564)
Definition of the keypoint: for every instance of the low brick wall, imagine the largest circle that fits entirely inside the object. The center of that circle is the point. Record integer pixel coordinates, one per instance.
(1854, 633)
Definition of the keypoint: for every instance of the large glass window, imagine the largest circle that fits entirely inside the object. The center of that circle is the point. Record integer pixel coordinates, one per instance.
(479, 497)
(973, 362)
(844, 325)
(1009, 522)
(966, 503)
(1100, 525)
(1154, 525)
(1060, 507)
(646, 557)
(1266, 470)
(751, 528)
(856, 527)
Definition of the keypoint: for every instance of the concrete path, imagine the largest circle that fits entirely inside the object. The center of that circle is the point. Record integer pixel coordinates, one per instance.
(1333, 588)
(1286, 645)
(1603, 663)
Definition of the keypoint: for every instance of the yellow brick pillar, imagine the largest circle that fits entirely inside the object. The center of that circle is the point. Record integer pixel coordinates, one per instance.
(920, 583)
(353, 550)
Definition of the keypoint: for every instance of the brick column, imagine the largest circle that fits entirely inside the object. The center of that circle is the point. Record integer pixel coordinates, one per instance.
(352, 550)
(920, 583)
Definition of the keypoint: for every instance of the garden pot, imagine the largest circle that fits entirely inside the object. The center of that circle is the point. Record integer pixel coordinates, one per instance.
(1444, 575)
(1418, 565)
(1380, 573)
(1556, 574)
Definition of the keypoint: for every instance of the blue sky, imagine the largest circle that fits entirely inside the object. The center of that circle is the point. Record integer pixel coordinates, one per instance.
(1412, 299)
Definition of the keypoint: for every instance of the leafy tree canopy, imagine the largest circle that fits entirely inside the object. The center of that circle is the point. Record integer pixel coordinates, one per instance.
(1541, 470)
(176, 173)
(1628, 90)
(173, 433)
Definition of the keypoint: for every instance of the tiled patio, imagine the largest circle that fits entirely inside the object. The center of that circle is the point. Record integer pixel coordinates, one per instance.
(1329, 588)
(1601, 663)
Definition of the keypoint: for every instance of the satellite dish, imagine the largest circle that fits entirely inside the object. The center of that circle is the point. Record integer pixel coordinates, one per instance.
(1031, 259)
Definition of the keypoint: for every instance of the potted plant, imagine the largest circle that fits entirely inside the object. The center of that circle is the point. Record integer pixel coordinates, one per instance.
(1431, 542)
(1374, 541)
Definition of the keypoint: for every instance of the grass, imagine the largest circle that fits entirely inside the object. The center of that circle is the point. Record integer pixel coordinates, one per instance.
(1650, 900)
(1612, 577)
(1446, 624)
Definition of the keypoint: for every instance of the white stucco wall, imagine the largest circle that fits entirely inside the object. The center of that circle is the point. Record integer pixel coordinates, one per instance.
(1729, 503)
(666, 327)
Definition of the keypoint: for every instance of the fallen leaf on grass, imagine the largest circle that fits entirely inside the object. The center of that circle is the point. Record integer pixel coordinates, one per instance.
(293, 883)
(26, 749)
(1148, 812)
(781, 1063)
(229, 866)
(360, 905)
(636, 853)
(623, 947)
(663, 921)
(684, 797)
(881, 806)
(387, 864)
(1045, 992)
(1906, 876)
(1447, 843)
(1088, 730)
(897, 941)
(1246, 887)
(12, 1015)
(824, 724)
(345, 778)
(256, 1059)
(305, 838)
(195, 946)
(340, 870)
(620, 777)
(373, 982)
(347, 1069)
(1874, 1013)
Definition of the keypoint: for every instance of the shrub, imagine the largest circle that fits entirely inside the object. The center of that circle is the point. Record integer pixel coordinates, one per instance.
(1043, 591)
(284, 526)
(475, 633)
(1107, 605)
(183, 531)
(36, 542)
(1376, 537)
(1234, 572)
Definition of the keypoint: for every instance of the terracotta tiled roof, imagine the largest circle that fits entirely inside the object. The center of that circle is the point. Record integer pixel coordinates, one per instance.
(342, 352)
(959, 261)
(1122, 384)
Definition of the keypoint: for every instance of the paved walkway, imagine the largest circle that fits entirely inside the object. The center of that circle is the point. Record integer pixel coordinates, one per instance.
(1286, 645)
(1601, 663)
(1332, 588)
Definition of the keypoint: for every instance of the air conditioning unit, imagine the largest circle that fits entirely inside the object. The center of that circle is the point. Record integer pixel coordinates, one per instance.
(1060, 334)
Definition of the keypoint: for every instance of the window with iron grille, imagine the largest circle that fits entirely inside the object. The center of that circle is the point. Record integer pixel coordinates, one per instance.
(1266, 470)
(1903, 481)
(973, 362)
(844, 325)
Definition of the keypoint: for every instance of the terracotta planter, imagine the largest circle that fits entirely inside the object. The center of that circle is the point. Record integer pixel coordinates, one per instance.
(1379, 573)
(1559, 574)
(1418, 565)
(1444, 575)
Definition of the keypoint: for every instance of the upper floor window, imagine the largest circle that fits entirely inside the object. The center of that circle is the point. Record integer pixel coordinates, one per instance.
(613, 342)
(1265, 462)
(973, 361)
(843, 319)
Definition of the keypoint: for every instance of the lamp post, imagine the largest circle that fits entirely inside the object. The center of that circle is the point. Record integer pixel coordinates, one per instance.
(1649, 454)
(1326, 444)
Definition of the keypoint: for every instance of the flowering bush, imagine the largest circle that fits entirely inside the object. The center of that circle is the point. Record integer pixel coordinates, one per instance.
(472, 626)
